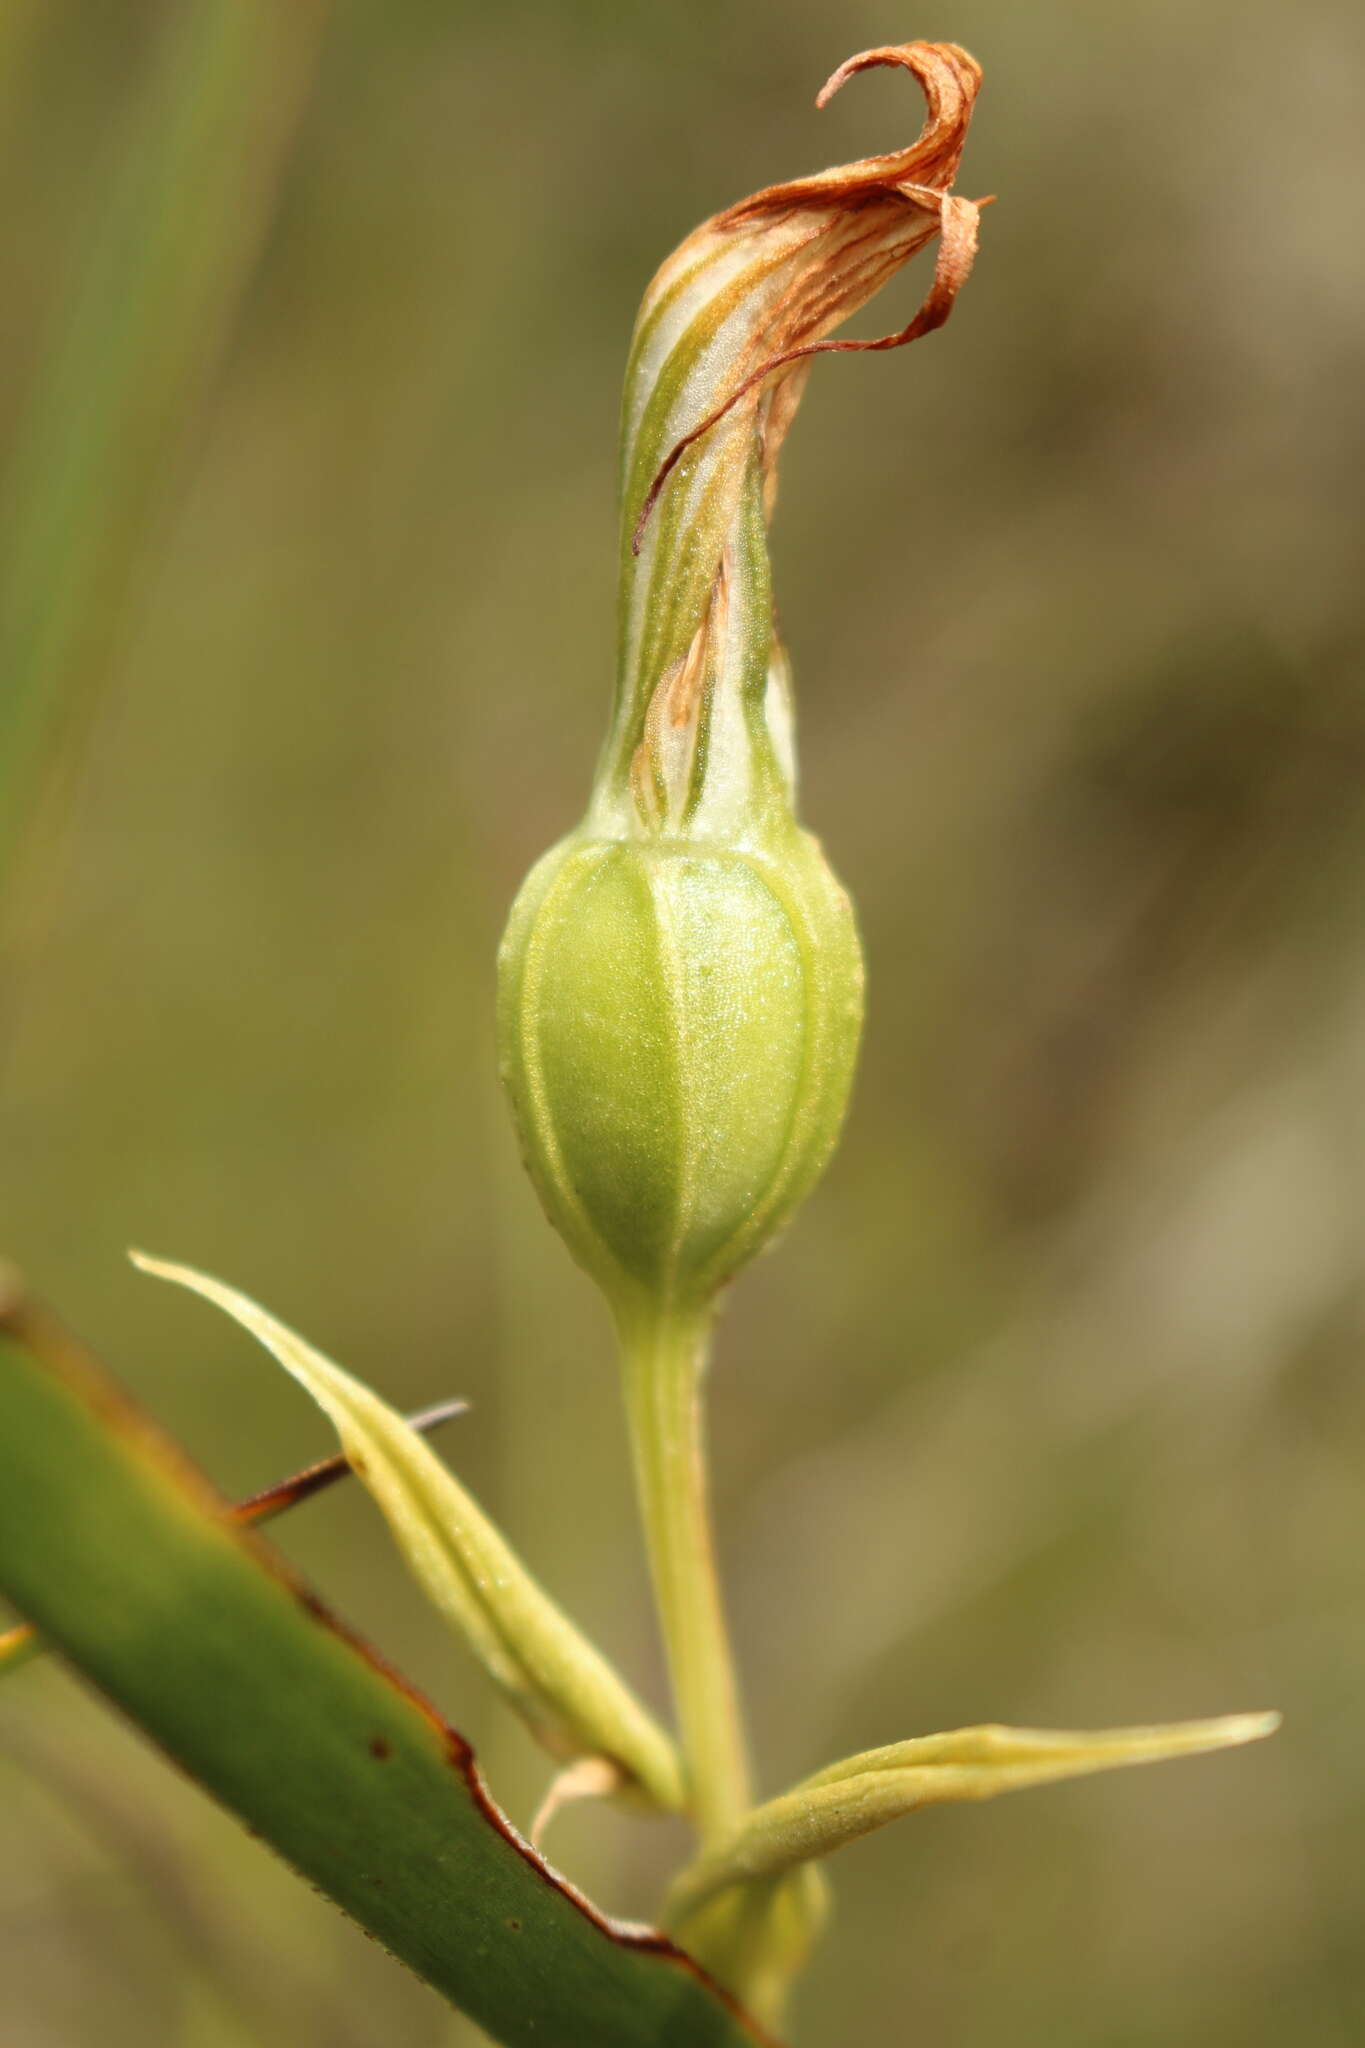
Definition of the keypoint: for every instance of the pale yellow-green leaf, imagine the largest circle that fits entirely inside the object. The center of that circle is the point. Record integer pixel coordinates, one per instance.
(569, 1695)
(864, 1792)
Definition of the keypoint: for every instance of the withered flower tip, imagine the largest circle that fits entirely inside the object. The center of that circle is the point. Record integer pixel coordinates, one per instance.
(862, 221)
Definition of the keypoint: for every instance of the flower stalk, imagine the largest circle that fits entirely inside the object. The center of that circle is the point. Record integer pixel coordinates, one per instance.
(664, 1360)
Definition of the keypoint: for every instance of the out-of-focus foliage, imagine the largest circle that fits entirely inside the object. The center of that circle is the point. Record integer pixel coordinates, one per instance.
(155, 278)
(1052, 1408)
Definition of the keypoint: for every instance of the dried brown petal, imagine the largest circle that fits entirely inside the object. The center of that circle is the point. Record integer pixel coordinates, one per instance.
(700, 740)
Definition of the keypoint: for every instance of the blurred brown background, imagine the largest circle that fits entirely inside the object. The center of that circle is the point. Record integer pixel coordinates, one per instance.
(1052, 1407)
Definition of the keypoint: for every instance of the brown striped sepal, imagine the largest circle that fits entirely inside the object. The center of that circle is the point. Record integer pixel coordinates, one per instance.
(701, 741)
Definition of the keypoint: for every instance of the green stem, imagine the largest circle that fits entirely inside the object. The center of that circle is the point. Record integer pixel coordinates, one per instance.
(664, 1355)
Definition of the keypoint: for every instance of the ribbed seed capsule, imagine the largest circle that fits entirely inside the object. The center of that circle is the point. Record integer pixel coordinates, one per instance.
(680, 1022)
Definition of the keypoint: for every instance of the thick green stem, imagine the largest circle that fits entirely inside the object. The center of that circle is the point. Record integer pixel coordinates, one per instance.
(664, 1357)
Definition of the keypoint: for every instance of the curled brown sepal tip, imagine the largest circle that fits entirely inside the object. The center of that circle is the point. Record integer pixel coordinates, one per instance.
(854, 225)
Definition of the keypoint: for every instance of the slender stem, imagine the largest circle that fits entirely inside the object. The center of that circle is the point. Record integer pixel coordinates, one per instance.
(664, 1357)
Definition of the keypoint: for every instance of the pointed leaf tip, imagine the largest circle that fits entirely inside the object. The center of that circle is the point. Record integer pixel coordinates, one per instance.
(861, 1793)
(564, 1689)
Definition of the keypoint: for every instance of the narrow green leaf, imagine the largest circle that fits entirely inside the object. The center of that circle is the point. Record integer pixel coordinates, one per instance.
(980, 1762)
(852, 1798)
(566, 1691)
(123, 1555)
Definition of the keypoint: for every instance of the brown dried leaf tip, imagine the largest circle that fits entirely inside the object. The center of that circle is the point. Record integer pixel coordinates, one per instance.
(801, 257)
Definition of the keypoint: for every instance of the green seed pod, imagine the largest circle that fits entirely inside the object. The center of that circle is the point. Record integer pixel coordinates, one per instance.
(681, 981)
(680, 1023)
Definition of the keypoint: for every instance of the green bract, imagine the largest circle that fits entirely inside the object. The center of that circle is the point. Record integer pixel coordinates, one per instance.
(862, 1793)
(565, 1691)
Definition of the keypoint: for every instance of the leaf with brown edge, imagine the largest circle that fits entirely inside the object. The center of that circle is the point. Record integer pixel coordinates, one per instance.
(19, 1645)
(121, 1551)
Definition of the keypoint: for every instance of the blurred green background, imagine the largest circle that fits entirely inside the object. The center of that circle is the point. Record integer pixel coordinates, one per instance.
(1051, 1409)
